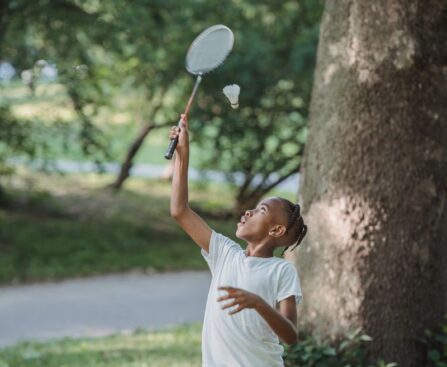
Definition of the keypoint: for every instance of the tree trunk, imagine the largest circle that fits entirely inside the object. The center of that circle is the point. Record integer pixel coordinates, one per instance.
(138, 141)
(373, 181)
(131, 153)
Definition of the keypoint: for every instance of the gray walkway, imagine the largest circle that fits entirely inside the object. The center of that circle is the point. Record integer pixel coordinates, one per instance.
(101, 305)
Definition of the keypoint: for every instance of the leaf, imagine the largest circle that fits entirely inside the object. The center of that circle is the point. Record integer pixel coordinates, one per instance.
(330, 351)
(365, 338)
(434, 355)
(344, 344)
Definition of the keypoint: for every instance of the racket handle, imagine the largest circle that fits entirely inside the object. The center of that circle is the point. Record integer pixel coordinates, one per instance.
(170, 151)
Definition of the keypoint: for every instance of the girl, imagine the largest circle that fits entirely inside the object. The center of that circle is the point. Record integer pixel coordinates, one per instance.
(253, 295)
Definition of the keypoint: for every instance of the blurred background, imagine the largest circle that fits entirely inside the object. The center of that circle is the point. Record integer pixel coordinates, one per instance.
(88, 92)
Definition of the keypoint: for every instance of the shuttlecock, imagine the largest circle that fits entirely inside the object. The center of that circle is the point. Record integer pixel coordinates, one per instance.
(232, 93)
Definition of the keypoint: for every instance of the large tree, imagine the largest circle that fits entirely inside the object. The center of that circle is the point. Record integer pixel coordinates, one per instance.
(374, 189)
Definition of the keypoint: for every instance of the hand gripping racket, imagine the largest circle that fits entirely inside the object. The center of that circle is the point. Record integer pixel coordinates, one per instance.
(206, 53)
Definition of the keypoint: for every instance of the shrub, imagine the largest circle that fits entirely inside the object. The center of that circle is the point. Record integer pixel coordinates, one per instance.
(435, 345)
(349, 352)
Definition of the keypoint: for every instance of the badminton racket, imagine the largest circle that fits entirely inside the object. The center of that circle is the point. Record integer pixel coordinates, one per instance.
(208, 50)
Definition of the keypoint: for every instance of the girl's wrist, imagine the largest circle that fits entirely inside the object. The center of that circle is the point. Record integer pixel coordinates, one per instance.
(259, 304)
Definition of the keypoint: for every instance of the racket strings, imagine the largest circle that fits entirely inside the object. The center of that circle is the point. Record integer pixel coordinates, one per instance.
(209, 49)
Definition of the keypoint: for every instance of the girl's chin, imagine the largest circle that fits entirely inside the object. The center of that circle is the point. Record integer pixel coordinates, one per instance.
(239, 234)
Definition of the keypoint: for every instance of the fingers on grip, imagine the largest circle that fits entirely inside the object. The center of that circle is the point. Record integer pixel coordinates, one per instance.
(174, 133)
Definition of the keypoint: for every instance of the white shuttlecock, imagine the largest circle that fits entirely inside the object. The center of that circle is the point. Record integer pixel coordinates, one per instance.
(232, 93)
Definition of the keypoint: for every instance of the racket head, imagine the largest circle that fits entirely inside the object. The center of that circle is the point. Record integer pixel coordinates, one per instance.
(209, 49)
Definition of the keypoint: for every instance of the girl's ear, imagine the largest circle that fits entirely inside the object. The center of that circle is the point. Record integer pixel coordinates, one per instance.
(277, 231)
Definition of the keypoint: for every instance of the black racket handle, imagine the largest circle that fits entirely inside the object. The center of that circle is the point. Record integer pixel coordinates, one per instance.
(170, 152)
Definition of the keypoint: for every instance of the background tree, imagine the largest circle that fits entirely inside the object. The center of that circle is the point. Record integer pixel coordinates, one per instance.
(69, 36)
(152, 54)
(104, 49)
(257, 142)
(99, 50)
(259, 145)
(374, 176)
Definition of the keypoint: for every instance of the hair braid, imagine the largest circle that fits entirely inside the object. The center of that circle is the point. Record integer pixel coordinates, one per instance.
(295, 216)
(295, 221)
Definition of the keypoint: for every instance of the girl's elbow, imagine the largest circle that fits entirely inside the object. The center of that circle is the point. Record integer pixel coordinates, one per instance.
(177, 212)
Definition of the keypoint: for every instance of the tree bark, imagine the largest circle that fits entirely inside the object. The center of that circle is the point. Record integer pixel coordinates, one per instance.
(131, 153)
(373, 180)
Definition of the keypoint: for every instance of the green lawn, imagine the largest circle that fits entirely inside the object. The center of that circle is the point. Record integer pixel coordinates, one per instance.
(63, 226)
(176, 347)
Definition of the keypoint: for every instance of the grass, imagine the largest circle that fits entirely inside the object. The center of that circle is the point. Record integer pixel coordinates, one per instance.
(60, 226)
(175, 347)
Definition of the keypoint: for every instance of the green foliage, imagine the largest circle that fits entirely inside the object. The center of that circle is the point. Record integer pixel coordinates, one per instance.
(435, 345)
(14, 134)
(273, 62)
(14, 138)
(104, 48)
(349, 352)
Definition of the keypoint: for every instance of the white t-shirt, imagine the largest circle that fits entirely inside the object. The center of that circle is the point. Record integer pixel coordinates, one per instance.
(243, 339)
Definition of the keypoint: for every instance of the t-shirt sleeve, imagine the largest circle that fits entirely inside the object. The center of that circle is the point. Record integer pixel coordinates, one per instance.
(289, 284)
(221, 249)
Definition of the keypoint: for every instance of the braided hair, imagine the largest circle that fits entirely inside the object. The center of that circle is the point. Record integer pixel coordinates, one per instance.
(296, 224)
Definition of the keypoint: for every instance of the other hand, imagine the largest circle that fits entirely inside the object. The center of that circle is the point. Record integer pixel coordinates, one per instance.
(240, 298)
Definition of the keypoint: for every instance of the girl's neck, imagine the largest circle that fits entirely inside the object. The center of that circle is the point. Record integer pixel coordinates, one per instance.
(259, 250)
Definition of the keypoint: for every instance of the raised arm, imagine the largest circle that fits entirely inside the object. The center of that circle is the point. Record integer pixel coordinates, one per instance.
(189, 220)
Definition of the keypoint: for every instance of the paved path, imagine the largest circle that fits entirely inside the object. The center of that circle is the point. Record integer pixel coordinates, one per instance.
(101, 305)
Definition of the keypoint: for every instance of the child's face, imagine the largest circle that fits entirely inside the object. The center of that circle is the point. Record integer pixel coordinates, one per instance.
(256, 224)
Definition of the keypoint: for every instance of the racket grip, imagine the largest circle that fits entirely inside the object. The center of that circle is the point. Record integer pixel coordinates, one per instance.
(170, 151)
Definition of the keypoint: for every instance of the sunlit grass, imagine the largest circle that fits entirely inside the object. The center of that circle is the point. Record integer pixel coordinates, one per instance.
(178, 346)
